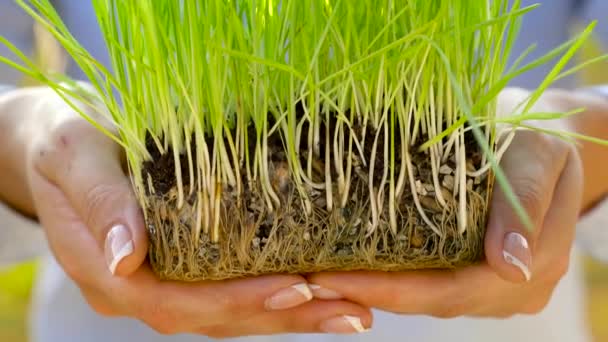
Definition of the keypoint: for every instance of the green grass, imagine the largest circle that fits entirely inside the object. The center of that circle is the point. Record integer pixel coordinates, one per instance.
(418, 70)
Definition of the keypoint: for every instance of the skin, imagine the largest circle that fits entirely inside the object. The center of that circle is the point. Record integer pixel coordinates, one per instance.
(59, 169)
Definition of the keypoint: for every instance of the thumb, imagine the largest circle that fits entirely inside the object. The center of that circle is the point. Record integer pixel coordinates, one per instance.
(86, 166)
(532, 165)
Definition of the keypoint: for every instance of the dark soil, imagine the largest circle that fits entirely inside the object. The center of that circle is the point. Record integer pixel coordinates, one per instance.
(257, 241)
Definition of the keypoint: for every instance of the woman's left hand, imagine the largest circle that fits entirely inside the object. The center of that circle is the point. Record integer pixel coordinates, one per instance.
(522, 267)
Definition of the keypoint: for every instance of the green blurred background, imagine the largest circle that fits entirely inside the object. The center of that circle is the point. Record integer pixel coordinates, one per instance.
(16, 283)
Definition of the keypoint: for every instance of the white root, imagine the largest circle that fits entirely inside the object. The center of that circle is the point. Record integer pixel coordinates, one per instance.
(417, 200)
(448, 147)
(312, 184)
(190, 165)
(206, 209)
(372, 190)
(435, 154)
(499, 154)
(391, 207)
(265, 168)
(264, 179)
(339, 156)
(215, 236)
(199, 219)
(178, 176)
(227, 169)
(380, 200)
(328, 182)
(399, 188)
(461, 161)
(235, 171)
(435, 175)
(349, 169)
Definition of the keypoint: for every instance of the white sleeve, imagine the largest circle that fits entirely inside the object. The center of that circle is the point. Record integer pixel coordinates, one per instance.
(592, 230)
(5, 88)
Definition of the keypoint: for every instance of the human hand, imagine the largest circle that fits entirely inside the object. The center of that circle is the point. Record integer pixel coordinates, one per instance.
(96, 231)
(522, 267)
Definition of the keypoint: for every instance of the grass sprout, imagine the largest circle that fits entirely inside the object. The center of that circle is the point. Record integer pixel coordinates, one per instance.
(393, 79)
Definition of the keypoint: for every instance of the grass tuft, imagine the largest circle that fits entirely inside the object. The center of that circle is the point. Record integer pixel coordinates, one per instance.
(211, 82)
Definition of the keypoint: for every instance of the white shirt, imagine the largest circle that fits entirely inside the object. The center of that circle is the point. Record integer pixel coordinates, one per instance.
(60, 314)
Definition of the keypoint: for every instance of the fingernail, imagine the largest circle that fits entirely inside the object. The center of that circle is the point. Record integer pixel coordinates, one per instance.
(289, 297)
(517, 253)
(118, 246)
(323, 293)
(343, 325)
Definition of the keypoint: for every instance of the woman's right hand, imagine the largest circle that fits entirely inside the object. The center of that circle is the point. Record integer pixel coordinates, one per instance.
(96, 231)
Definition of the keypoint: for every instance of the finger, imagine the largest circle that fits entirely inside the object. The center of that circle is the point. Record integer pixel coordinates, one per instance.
(173, 307)
(532, 165)
(445, 293)
(556, 238)
(552, 253)
(331, 317)
(85, 165)
(73, 245)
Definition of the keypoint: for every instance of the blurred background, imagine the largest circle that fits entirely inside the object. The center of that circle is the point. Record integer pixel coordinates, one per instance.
(16, 281)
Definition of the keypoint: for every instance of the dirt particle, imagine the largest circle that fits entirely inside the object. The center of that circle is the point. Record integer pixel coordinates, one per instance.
(417, 240)
(420, 190)
(281, 180)
(256, 242)
(446, 170)
(470, 166)
(430, 203)
(447, 194)
(429, 187)
(448, 182)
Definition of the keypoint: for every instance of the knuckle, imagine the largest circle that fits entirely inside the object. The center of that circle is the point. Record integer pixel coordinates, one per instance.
(97, 199)
(45, 158)
(529, 193)
(536, 305)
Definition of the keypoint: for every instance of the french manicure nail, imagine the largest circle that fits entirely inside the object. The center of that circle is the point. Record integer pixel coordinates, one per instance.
(289, 297)
(323, 293)
(343, 325)
(118, 246)
(516, 252)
